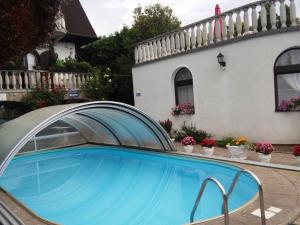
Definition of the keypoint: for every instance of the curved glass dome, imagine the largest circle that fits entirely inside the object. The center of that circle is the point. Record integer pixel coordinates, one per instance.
(107, 123)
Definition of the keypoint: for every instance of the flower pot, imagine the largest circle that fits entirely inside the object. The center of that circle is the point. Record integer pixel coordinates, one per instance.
(264, 158)
(237, 152)
(208, 151)
(298, 160)
(188, 148)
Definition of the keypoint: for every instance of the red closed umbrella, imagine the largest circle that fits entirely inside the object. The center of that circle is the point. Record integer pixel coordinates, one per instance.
(218, 14)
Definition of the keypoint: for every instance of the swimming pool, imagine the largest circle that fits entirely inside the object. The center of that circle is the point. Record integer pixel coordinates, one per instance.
(117, 186)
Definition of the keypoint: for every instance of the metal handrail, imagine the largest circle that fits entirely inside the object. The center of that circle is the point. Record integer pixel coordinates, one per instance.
(224, 195)
(259, 186)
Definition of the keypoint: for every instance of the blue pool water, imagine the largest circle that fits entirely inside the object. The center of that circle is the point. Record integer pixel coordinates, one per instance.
(115, 186)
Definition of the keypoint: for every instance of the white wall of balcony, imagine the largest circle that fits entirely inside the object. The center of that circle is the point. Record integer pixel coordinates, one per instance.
(64, 50)
(239, 100)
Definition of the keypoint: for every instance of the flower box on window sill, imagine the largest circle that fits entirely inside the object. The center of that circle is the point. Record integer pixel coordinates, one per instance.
(183, 114)
(291, 105)
(183, 109)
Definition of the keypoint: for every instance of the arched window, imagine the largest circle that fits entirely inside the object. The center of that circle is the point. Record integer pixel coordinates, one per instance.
(184, 87)
(287, 80)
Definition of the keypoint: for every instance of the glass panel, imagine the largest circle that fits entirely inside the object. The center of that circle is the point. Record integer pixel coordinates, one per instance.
(288, 86)
(92, 130)
(58, 127)
(185, 94)
(183, 74)
(291, 57)
(130, 130)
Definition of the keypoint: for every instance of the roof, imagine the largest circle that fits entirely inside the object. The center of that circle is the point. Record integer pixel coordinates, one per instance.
(79, 28)
(113, 123)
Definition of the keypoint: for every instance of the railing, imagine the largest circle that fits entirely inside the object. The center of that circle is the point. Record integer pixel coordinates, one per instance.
(224, 196)
(12, 80)
(265, 15)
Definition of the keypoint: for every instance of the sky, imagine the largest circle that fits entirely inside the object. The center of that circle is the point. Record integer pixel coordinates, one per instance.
(108, 16)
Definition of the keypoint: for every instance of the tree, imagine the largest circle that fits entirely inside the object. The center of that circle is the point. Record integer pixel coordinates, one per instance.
(116, 51)
(154, 20)
(25, 25)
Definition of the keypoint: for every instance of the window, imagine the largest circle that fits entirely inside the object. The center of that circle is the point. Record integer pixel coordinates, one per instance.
(287, 80)
(184, 87)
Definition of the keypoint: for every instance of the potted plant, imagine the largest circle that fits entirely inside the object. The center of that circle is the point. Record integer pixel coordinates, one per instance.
(296, 153)
(188, 143)
(264, 151)
(237, 147)
(208, 146)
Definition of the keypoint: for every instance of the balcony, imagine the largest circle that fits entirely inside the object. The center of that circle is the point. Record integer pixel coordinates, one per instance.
(15, 83)
(252, 20)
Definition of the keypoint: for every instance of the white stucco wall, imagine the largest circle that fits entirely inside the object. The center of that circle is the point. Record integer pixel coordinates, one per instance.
(64, 50)
(237, 101)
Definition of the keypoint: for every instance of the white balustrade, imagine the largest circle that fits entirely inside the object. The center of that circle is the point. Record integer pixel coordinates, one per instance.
(273, 16)
(234, 23)
(246, 21)
(199, 36)
(254, 19)
(282, 14)
(1, 81)
(231, 26)
(204, 34)
(224, 29)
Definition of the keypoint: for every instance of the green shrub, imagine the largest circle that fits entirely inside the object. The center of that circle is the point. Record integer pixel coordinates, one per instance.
(191, 130)
(224, 141)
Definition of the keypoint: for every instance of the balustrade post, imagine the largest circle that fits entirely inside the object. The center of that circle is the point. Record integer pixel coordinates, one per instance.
(147, 52)
(159, 48)
(199, 36)
(1, 81)
(154, 50)
(14, 81)
(38, 79)
(182, 41)
(231, 26)
(144, 53)
(26, 80)
(136, 56)
(204, 34)
(173, 47)
(19, 80)
(150, 50)
(218, 29)
(254, 19)
(79, 83)
(224, 28)
(140, 54)
(168, 45)
(246, 21)
(282, 14)
(263, 17)
(163, 47)
(7, 83)
(211, 32)
(193, 37)
(272, 15)
(238, 23)
(187, 39)
(293, 13)
(177, 42)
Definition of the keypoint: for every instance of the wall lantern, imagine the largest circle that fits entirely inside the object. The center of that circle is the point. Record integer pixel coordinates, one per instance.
(221, 60)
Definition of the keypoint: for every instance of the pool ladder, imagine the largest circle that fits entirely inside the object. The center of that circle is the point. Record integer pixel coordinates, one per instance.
(226, 196)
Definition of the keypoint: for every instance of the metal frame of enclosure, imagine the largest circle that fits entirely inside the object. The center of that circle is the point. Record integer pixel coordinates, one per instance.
(103, 123)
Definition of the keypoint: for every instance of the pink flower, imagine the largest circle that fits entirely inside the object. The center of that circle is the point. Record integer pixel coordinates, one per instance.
(188, 140)
(264, 148)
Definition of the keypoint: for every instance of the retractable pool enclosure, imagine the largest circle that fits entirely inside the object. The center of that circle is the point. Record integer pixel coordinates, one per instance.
(106, 123)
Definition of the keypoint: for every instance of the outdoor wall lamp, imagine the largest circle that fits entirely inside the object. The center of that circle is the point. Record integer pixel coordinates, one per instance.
(221, 60)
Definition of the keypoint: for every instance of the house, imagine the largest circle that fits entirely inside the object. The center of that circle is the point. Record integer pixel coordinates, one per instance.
(73, 30)
(242, 75)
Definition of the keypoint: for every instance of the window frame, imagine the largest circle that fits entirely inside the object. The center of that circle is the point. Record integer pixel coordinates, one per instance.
(182, 83)
(281, 70)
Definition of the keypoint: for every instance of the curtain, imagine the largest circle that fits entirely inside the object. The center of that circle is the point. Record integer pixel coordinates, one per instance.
(293, 80)
(185, 94)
